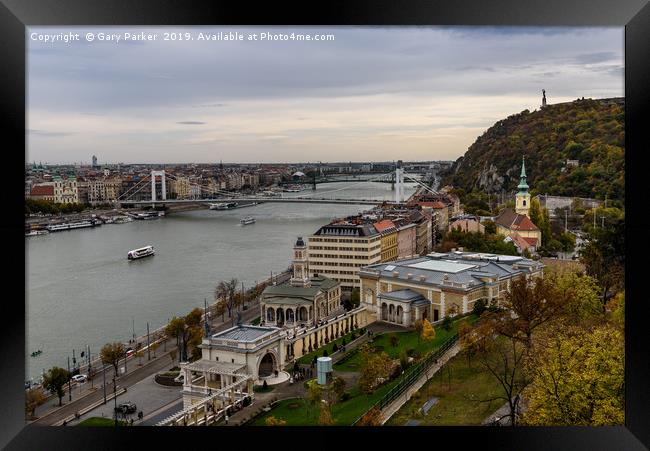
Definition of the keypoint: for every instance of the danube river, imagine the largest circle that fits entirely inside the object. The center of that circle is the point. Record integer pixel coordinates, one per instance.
(81, 290)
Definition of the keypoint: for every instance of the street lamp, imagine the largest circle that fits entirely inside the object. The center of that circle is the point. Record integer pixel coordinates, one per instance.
(115, 398)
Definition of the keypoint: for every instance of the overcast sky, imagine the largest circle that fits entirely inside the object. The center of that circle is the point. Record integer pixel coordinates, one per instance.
(372, 94)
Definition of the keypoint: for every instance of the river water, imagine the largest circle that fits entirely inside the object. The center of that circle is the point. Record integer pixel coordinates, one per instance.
(81, 290)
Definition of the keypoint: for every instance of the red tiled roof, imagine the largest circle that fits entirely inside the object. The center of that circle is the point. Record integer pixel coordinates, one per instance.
(531, 241)
(519, 241)
(514, 221)
(42, 190)
(384, 225)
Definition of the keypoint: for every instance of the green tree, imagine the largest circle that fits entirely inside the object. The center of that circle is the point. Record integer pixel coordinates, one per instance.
(111, 354)
(55, 379)
(490, 227)
(535, 212)
(446, 323)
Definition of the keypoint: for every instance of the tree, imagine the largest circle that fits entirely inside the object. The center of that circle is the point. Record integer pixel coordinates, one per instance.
(418, 328)
(172, 355)
(187, 331)
(394, 340)
(446, 322)
(337, 388)
(503, 357)
(54, 380)
(34, 397)
(225, 292)
(355, 297)
(428, 332)
(155, 345)
(139, 354)
(272, 421)
(479, 307)
(618, 308)
(112, 353)
(490, 227)
(579, 293)
(534, 302)
(464, 330)
(375, 367)
(535, 212)
(325, 417)
(371, 418)
(577, 377)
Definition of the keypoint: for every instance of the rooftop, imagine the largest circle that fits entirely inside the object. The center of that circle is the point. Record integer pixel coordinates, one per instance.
(244, 333)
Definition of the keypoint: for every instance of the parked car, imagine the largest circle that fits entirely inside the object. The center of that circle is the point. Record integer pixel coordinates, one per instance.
(80, 378)
(126, 407)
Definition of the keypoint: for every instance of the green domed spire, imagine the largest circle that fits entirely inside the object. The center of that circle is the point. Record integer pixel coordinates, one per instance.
(523, 186)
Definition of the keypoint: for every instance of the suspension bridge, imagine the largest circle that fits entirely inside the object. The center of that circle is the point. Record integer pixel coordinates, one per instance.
(208, 194)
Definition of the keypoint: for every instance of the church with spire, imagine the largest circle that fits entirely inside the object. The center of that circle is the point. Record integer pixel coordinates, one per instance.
(515, 224)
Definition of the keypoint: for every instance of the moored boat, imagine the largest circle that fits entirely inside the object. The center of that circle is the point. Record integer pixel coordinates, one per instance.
(140, 253)
(223, 206)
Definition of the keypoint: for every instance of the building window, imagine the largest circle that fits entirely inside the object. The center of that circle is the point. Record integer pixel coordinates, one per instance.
(232, 360)
(217, 358)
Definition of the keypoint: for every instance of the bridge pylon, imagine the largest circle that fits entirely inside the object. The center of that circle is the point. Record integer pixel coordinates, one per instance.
(153, 184)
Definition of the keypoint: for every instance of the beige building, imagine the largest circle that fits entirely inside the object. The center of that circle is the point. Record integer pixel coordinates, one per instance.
(65, 190)
(407, 241)
(338, 250)
(303, 300)
(438, 285)
(467, 225)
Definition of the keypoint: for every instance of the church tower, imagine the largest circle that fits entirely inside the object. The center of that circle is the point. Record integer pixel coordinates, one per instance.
(522, 200)
(300, 265)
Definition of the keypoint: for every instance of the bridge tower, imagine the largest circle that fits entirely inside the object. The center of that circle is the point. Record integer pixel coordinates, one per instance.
(399, 189)
(153, 184)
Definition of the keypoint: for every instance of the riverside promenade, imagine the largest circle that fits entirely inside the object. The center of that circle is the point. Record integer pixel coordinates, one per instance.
(154, 361)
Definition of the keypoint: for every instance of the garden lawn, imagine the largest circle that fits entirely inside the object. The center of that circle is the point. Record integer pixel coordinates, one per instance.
(298, 412)
(99, 421)
(307, 358)
(459, 402)
(407, 340)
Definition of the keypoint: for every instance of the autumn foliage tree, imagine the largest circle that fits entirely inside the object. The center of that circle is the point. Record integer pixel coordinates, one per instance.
(371, 418)
(428, 332)
(111, 354)
(272, 421)
(34, 397)
(188, 332)
(577, 377)
(374, 367)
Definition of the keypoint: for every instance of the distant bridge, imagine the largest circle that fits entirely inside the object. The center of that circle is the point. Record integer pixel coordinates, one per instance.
(260, 200)
(217, 195)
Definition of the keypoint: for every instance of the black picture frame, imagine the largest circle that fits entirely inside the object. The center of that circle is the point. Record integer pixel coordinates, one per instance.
(15, 15)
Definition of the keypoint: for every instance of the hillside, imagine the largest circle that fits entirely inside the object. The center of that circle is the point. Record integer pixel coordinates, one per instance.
(590, 131)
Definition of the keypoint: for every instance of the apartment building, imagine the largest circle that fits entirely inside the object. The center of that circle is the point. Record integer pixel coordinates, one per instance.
(339, 249)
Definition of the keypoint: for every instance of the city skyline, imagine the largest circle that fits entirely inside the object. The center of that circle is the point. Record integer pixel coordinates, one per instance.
(372, 94)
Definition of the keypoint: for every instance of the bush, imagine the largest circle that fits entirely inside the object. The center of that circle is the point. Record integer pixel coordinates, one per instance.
(446, 323)
(345, 396)
(265, 386)
(343, 343)
(479, 307)
(394, 340)
(325, 353)
(247, 401)
(335, 348)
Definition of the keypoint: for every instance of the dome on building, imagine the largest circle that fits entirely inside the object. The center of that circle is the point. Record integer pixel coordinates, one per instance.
(298, 174)
(300, 242)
